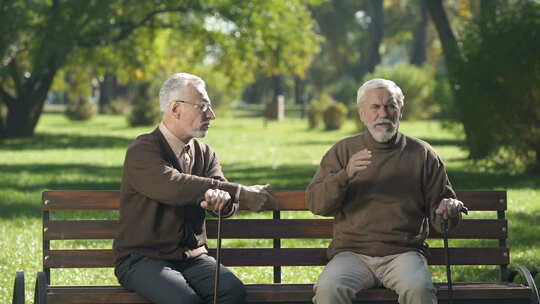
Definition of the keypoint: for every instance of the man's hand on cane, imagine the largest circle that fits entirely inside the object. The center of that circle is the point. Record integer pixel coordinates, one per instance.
(215, 200)
(450, 207)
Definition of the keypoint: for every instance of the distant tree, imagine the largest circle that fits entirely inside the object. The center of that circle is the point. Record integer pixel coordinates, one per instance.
(496, 81)
(418, 48)
(127, 37)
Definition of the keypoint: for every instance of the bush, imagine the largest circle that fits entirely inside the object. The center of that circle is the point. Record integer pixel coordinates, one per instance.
(499, 84)
(335, 115)
(145, 111)
(353, 114)
(315, 110)
(80, 109)
(118, 106)
(417, 85)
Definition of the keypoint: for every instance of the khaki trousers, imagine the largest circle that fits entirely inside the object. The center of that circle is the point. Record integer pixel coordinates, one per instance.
(348, 273)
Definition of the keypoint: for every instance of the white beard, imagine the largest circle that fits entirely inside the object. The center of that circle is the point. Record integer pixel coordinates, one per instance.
(382, 136)
(199, 133)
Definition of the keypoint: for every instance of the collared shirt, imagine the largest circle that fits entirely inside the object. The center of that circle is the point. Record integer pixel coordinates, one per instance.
(184, 154)
(182, 151)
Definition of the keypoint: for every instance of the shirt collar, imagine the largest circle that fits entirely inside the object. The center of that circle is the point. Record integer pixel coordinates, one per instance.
(174, 142)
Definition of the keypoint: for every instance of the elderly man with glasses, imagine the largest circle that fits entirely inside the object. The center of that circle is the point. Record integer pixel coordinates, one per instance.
(170, 179)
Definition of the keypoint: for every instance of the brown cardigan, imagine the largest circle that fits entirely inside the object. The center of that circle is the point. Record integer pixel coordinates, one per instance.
(159, 208)
(384, 209)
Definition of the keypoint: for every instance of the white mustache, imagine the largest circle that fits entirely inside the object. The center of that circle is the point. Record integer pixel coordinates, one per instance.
(383, 121)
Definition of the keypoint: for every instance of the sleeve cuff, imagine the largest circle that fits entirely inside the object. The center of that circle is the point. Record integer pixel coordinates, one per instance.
(342, 178)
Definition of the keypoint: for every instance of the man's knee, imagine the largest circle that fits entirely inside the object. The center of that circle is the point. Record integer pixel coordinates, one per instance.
(333, 291)
(231, 289)
(417, 289)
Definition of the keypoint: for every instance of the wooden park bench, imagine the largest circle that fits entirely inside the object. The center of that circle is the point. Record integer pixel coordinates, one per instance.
(474, 227)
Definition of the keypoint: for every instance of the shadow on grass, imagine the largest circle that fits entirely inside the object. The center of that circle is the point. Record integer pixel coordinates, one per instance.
(65, 176)
(431, 141)
(9, 210)
(464, 179)
(443, 142)
(58, 141)
(281, 177)
(524, 231)
(22, 198)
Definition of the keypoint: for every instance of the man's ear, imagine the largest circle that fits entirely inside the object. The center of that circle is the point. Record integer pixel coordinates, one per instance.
(401, 112)
(176, 109)
(360, 113)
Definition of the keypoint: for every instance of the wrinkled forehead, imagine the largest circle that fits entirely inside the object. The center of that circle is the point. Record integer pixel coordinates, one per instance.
(194, 91)
(380, 96)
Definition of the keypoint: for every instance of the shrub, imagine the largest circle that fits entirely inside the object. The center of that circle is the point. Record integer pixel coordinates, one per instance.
(353, 114)
(118, 106)
(335, 115)
(80, 109)
(417, 85)
(499, 83)
(145, 111)
(315, 110)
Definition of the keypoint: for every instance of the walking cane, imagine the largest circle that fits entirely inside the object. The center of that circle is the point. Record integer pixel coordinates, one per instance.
(218, 258)
(447, 257)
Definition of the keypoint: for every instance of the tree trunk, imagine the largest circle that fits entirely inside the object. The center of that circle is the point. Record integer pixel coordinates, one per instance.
(446, 36)
(279, 88)
(418, 50)
(371, 56)
(106, 91)
(23, 116)
(299, 95)
(454, 61)
(537, 159)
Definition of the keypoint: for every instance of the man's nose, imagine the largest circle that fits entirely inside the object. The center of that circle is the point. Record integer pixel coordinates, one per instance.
(210, 114)
(383, 112)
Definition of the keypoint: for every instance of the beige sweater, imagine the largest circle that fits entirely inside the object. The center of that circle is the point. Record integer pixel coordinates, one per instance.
(386, 208)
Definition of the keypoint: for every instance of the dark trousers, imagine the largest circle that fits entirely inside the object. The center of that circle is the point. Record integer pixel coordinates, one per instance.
(188, 281)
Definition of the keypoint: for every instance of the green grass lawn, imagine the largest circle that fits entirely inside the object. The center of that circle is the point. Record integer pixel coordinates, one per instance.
(89, 155)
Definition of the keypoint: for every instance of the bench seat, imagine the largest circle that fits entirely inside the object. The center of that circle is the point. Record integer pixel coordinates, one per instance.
(487, 224)
(299, 293)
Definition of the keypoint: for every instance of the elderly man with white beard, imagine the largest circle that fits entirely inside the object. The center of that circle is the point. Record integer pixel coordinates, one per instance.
(383, 189)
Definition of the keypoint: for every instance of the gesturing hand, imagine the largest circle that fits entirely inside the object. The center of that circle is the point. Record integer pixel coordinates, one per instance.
(359, 161)
(215, 199)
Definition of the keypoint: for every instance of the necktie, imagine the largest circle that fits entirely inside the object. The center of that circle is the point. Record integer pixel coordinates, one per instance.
(185, 160)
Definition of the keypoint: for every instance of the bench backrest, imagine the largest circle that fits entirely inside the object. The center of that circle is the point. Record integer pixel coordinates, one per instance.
(476, 226)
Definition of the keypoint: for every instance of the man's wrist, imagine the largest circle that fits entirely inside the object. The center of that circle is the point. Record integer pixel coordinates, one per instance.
(237, 194)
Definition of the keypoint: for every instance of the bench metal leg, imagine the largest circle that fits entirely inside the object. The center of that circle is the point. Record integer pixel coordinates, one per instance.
(18, 288)
(535, 299)
(40, 294)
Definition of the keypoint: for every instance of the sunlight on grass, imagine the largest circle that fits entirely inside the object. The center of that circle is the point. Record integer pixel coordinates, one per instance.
(89, 155)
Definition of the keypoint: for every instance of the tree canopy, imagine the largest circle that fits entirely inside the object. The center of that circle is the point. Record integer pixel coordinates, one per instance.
(230, 39)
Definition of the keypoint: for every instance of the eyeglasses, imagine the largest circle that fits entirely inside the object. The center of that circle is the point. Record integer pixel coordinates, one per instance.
(204, 107)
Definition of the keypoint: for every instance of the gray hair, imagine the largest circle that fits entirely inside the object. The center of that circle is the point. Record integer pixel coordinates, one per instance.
(376, 83)
(171, 86)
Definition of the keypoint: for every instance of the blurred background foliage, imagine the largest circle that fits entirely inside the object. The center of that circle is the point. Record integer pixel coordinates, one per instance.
(473, 64)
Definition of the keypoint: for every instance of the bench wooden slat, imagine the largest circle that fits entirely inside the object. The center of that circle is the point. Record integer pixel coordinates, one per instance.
(274, 257)
(291, 292)
(319, 228)
(81, 200)
(288, 200)
(250, 229)
(80, 230)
